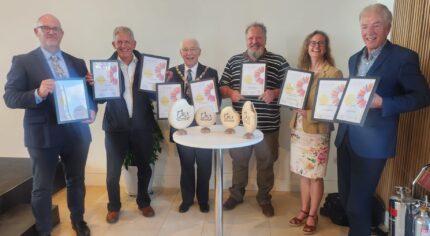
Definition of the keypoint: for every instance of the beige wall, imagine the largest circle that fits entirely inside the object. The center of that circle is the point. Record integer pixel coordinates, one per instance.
(159, 26)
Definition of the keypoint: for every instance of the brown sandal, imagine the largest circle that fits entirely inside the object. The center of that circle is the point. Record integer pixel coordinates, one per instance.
(311, 229)
(296, 222)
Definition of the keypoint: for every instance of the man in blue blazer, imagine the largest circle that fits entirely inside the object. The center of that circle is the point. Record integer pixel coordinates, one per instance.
(128, 124)
(192, 70)
(363, 151)
(29, 86)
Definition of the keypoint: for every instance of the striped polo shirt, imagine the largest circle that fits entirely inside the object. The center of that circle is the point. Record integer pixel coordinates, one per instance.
(268, 114)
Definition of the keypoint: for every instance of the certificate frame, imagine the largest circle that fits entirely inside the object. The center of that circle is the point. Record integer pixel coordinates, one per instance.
(207, 97)
(165, 92)
(329, 92)
(250, 78)
(153, 71)
(358, 88)
(106, 71)
(71, 100)
(293, 94)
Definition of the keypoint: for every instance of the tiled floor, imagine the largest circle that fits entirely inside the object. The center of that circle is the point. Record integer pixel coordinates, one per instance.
(246, 219)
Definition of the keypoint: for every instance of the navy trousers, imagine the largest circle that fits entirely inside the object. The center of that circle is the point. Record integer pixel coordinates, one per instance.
(358, 178)
(73, 157)
(189, 157)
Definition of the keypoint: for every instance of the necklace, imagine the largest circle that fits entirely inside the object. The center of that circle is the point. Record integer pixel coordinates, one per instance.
(183, 77)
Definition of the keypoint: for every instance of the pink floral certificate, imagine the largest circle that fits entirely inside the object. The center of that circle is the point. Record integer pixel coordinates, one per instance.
(106, 79)
(253, 79)
(153, 71)
(295, 88)
(356, 100)
(327, 99)
(204, 94)
(167, 94)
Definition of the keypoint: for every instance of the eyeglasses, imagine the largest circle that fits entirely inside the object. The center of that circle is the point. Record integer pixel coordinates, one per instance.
(315, 43)
(46, 29)
(193, 50)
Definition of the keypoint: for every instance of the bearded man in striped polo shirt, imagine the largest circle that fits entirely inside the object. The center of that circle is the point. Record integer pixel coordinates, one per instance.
(266, 152)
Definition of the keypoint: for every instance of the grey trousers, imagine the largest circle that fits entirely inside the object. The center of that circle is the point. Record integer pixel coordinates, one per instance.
(266, 153)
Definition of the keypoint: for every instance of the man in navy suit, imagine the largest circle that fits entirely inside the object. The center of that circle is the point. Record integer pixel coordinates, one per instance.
(29, 86)
(192, 70)
(128, 124)
(363, 151)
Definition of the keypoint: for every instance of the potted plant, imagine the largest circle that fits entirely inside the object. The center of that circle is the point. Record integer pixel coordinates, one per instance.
(130, 169)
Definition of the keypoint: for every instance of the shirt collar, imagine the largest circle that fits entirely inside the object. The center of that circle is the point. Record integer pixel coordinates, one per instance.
(373, 53)
(193, 68)
(134, 60)
(48, 55)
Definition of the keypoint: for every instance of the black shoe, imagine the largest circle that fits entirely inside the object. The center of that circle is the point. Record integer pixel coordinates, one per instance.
(204, 207)
(184, 207)
(231, 203)
(81, 228)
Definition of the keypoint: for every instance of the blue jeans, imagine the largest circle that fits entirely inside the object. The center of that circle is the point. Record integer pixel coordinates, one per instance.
(44, 163)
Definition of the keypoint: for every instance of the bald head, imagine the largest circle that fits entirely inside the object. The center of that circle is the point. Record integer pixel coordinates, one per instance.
(190, 51)
(49, 32)
(48, 18)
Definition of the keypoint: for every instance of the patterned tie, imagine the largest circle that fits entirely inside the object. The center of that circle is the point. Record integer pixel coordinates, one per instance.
(58, 70)
(187, 86)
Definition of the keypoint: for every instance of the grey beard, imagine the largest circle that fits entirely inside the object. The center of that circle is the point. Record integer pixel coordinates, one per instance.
(255, 55)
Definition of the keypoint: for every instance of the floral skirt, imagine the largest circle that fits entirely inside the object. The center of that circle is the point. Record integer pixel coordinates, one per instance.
(309, 152)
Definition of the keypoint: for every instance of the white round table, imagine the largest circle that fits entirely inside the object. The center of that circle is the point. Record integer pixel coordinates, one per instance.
(217, 140)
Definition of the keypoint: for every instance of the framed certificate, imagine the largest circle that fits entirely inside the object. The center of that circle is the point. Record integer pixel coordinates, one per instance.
(153, 71)
(356, 100)
(327, 98)
(167, 94)
(295, 88)
(71, 100)
(204, 94)
(253, 79)
(106, 79)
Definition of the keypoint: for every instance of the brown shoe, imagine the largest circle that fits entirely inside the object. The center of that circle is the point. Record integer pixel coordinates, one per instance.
(147, 211)
(231, 203)
(112, 217)
(310, 229)
(268, 209)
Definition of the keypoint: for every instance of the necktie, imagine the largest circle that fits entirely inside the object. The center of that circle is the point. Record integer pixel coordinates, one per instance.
(187, 86)
(58, 70)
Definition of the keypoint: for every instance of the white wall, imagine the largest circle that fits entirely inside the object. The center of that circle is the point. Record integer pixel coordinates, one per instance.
(159, 26)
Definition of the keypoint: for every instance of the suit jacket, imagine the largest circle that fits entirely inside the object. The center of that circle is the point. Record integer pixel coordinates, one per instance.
(402, 87)
(40, 120)
(116, 116)
(209, 74)
(309, 125)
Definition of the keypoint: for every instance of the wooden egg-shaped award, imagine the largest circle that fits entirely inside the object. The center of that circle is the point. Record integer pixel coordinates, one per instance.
(181, 115)
(229, 119)
(205, 118)
(249, 119)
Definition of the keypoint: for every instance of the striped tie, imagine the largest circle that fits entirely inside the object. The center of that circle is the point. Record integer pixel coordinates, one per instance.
(187, 85)
(58, 70)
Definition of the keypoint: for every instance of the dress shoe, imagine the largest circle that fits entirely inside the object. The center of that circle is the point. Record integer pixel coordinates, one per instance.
(81, 228)
(147, 211)
(184, 207)
(231, 203)
(204, 207)
(112, 217)
(268, 209)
